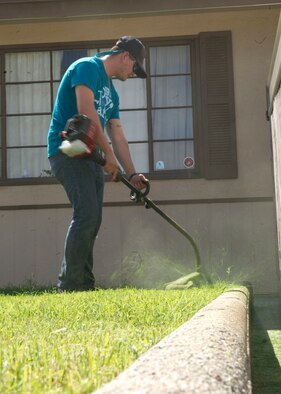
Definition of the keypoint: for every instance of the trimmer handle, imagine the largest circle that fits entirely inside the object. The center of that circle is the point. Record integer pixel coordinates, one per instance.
(135, 195)
(97, 157)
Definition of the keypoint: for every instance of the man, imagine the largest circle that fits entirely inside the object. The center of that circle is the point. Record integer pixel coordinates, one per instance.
(86, 88)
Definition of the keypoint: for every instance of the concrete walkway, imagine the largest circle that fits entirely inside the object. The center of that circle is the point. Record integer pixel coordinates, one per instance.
(208, 354)
(266, 344)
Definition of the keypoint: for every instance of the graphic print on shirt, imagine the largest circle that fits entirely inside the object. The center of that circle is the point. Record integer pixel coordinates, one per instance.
(104, 102)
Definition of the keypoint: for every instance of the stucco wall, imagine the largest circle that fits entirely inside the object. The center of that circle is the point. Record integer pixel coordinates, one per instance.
(236, 242)
(248, 224)
(253, 35)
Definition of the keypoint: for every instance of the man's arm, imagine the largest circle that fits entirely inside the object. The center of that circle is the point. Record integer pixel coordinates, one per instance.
(121, 150)
(85, 106)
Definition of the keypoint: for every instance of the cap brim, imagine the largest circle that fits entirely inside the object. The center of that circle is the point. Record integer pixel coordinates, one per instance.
(139, 71)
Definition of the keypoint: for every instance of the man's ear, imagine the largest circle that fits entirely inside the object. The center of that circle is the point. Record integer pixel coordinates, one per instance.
(125, 55)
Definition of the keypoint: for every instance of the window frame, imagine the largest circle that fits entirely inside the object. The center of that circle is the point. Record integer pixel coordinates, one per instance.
(195, 80)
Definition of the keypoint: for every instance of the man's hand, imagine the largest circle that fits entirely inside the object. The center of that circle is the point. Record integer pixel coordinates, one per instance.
(139, 181)
(111, 166)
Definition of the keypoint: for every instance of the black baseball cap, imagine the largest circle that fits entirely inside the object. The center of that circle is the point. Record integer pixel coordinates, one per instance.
(136, 49)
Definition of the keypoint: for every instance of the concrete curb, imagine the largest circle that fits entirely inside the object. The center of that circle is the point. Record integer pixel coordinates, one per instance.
(208, 354)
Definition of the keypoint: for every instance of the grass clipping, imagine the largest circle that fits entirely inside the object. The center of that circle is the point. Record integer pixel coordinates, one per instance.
(154, 272)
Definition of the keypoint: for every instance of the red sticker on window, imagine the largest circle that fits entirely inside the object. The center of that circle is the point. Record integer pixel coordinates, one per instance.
(188, 162)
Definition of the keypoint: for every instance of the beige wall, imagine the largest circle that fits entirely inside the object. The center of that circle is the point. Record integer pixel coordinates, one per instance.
(274, 110)
(238, 238)
(251, 225)
(253, 38)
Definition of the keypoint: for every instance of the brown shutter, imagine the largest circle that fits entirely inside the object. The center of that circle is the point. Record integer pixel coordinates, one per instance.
(218, 112)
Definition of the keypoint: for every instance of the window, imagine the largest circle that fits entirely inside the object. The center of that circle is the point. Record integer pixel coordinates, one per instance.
(30, 81)
(179, 121)
(28, 105)
(171, 107)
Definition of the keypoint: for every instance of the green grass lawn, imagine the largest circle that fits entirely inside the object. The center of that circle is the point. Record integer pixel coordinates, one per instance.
(75, 342)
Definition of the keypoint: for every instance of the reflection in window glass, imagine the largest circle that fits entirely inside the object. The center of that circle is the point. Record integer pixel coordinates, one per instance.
(132, 93)
(171, 91)
(55, 90)
(92, 52)
(63, 59)
(27, 130)
(56, 64)
(135, 125)
(28, 98)
(27, 67)
(172, 123)
(140, 154)
(27, 163)
(170, 60)
(173, 155)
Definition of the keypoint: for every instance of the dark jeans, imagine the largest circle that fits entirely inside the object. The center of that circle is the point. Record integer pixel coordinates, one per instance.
(83, 181)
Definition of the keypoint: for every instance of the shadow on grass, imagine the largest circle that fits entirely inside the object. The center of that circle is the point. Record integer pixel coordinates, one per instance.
(265, 325)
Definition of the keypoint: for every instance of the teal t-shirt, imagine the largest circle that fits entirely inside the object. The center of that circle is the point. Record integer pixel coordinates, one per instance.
(88, 71)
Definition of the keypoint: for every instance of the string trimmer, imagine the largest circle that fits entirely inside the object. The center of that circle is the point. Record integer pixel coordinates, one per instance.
(81, 128)
(138, 196)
